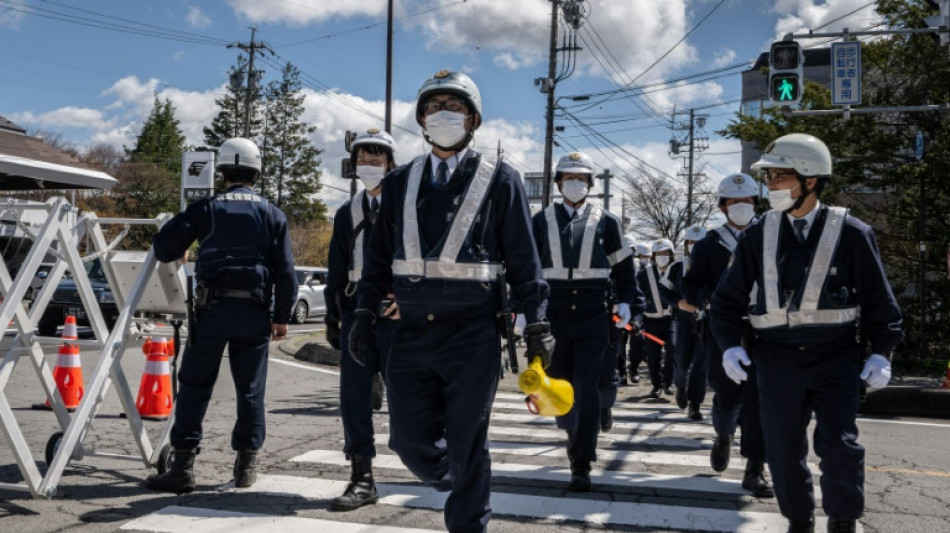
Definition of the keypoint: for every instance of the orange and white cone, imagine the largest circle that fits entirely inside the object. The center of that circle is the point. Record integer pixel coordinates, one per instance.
(68, 377)
(169, 347)
(69, 329)
(155, 391)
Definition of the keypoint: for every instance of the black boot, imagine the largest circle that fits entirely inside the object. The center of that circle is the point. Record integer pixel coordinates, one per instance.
(681, 400)
(245, 468)
(570, 446)
(376, 392)
(802, 526)
(580, 477)
(180, 475)
(719, 456)
(606, 419)
(842, 526)
(361, 489)
(694, 413)
(754, 480)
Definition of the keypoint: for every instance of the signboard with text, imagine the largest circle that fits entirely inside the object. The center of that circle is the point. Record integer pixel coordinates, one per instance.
(197, 176)
(846, 73)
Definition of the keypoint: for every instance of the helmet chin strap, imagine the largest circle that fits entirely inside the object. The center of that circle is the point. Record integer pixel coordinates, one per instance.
(458, 146)
(801, 197)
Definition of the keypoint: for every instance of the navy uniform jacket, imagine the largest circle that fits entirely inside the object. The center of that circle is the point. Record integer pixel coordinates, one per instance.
(243, 243)
(664, 286)
(856, 278)
(588, 293)
(341, 257)
(501, 233)
(675, 275)
(708, 261)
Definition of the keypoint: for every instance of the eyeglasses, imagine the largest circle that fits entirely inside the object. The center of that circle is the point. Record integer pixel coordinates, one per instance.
(772, 176)
(452, 104)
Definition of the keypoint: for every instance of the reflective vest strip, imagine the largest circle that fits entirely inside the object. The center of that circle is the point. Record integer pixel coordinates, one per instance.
(554, 243)
(726, 238)
(447, 265)
(557, 270)
(655, 292)
(356, 213)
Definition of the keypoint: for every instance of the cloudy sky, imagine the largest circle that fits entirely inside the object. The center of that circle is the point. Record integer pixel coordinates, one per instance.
(89, 69)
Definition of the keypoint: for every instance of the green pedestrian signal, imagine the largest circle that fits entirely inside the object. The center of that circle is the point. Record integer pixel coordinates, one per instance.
(785, 89)
(786, 73)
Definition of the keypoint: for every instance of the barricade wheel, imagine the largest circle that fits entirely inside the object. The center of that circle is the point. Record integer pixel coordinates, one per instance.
(164, 459)
(52, 445)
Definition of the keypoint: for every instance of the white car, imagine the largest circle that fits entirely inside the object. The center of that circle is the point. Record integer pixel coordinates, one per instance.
(310, 284)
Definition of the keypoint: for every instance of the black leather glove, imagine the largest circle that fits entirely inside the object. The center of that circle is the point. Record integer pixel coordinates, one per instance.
(363, 338)
(333, 333)
(540, 343)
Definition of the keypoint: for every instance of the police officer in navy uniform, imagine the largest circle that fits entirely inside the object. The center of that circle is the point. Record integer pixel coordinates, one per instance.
(582, 255)
(635, 342)
(689, 359)
(733, 404)
(372, 154)
(244, 262)
(658, 317)
(624, 340)
(816, 280)
(451, 221)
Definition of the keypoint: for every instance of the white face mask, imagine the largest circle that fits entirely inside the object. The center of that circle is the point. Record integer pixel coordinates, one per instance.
(445, 128)
(370, 175)
(741, 214)
(662, 261)
(574, 190)
(782, 199)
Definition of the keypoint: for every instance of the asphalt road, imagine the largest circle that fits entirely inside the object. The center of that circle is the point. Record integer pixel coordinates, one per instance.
(653, 472)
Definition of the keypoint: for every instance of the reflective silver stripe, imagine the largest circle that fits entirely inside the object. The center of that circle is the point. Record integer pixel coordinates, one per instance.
(808, 312)
(583, 269)
(67, 361)
(726, 238)
(356, 213)
(618, 256)
(657, 303)
(157, 368)
(486, 272)
(447, 265)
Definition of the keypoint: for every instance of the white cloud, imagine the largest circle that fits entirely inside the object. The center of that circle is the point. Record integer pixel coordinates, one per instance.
(11, 15)
(66, 117)
(197, 18)
(724, 58)
(513, 61)
(798, 16)
(303, 12)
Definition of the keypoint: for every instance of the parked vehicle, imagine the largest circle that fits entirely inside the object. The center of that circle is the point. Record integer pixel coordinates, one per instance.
(66, 301)
(311, 281)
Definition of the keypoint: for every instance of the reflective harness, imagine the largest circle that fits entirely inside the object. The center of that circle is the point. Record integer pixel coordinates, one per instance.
(655, 292)
(584, 269)
(807, 313)
(356, 213)
(446, 266)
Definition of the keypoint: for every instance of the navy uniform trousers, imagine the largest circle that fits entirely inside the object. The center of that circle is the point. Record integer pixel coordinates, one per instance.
(794, 383)
(690, 363)
(356, 382)
(659, 358)
(735, 404)
(442, 378)
(612, 366)
(245, 328)
(581, 340)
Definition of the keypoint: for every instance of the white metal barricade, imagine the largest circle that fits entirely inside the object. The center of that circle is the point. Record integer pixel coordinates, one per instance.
(139, 284)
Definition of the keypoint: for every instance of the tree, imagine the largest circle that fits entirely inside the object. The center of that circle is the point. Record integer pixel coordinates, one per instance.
(229, 122)
(875, 172)
(161, 140)
(658, 206)
(290, 161)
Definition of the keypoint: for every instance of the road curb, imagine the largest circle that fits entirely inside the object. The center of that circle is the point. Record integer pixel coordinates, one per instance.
(924, 400)
(311, 348)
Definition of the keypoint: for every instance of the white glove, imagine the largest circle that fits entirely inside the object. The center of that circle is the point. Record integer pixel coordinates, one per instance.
(731, 360)
(623, 311)
(520, 323)
(877, 371)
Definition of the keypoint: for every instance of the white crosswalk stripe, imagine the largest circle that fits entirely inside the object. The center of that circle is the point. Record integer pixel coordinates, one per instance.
(652, 472)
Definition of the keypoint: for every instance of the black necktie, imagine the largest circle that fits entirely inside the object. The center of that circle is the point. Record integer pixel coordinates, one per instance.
(374, 204)
(800, 225)
(441, 174)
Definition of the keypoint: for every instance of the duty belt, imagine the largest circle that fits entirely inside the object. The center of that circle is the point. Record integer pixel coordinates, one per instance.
(233, 293)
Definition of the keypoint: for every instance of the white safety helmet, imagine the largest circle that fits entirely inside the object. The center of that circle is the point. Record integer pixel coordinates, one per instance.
(738, 185)
(695, 233)
(239, 152)
(575, 163)
(662, 245)
(629, 240)
(643, 250)
(448, 82)
(374, 137)
(805, 154)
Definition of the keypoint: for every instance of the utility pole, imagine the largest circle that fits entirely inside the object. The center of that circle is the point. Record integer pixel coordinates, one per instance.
(389, 69)
(253, 76)
(696, 144)
(606, 175)
(689, 182)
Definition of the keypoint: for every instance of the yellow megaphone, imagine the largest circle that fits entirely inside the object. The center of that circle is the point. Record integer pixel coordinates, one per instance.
(545, 396)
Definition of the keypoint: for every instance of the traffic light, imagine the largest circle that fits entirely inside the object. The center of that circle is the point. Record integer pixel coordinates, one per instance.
(786, 73)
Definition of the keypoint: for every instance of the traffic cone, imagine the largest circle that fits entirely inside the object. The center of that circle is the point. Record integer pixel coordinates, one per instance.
(169, 347)
(155, 391)
(68, 377)
(69, 329)
(946, 380)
